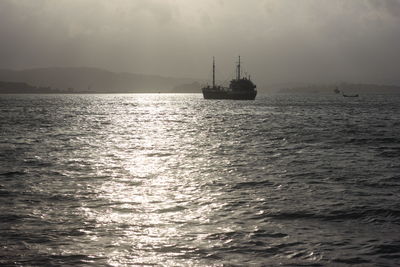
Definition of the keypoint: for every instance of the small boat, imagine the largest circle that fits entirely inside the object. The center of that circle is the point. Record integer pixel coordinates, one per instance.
(356, 95)
(336, 91)
(241, 88)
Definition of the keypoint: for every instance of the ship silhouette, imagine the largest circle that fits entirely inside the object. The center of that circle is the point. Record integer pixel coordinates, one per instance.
(241, 88)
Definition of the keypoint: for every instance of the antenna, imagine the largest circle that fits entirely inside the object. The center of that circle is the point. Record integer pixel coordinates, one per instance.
(213, 72)
(238, 69)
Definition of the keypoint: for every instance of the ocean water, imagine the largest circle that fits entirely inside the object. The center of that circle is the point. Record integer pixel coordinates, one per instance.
(175, 180)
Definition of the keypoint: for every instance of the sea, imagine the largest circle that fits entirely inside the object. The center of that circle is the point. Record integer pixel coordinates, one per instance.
(176, 180)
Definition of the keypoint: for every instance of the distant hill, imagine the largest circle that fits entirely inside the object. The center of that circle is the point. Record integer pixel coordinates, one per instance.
(93, 80)
(20, 88)
(194, 87)
(346, 88)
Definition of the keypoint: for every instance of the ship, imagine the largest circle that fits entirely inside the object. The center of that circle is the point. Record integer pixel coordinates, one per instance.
(344, 95)
(240, 88)
(337, 91)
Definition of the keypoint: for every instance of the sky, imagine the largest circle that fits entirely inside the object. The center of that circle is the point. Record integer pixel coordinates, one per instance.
(280, 41)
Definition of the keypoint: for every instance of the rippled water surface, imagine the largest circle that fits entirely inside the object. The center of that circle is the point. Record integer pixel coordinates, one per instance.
(122, 180)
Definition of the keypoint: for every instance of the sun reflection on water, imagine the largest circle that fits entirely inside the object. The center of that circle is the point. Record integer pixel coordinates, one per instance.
(152, 196)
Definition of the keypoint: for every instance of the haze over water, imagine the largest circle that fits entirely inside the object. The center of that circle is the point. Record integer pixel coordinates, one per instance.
(119, 180)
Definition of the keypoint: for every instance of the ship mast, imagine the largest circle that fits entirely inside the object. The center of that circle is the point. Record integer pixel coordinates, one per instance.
(238, 70)
(213, 72)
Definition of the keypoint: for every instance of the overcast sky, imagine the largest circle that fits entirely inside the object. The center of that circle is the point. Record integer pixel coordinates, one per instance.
(279, 40)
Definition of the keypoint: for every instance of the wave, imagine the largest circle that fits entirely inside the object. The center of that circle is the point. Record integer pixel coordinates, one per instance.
(12, 173)
(367, 215)
(244, 185)
(390, 152)
(376, 141)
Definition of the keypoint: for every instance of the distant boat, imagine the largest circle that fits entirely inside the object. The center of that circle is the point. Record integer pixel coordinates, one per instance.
(239, 88)
(356, 95)
(337, 91)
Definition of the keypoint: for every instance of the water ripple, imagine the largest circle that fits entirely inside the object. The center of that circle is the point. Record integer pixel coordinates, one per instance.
(122, 180)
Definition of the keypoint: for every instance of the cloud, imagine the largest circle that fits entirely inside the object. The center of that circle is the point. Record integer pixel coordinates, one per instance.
(387, 7)
(280, 40)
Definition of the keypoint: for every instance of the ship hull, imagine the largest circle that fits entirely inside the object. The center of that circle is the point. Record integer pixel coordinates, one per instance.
(229, 95)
